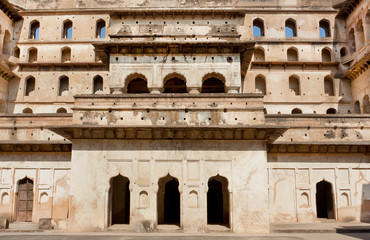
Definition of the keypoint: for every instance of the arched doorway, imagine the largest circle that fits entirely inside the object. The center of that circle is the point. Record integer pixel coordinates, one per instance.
(324, 200)
(175, 85)
(120, 200)
(213, 85)
(218, 201)
(137, 85)
(25, 200)
(168, 200)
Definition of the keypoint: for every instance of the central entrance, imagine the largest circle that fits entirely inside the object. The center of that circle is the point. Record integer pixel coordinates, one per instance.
(324, 200)
(168, 200)
(120, 200)
(218, 201)
(25, 200)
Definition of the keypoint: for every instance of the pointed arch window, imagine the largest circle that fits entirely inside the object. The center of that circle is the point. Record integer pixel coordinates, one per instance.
(100, 29)
(67, 29)
(34, 30)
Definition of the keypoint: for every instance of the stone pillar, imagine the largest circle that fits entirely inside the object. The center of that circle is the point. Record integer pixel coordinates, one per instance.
(193, 90)
(155, 90)
(117, 90)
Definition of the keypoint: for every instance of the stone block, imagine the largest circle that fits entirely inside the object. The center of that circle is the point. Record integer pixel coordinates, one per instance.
(46, 223)
(4, 223)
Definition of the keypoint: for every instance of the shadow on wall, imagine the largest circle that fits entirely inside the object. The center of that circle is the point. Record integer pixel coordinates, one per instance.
(365, 203)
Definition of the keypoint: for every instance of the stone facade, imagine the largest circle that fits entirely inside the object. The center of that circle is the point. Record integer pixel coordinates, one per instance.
(142, 113)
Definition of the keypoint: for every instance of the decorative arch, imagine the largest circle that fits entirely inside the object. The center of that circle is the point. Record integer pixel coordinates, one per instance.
(16, 52)
(34, 30)
(260, 84)
(290, 28)
(297, 111)
(100, 29)
(294, 85)
(292, 54)
(259, 54)
(344, 200)
(97, 84)
(136, 83)
(63, 89)
(65, 54)
(174, 83)
(218, 201)
(328, 86)
(44, 197)
(143, 199)
(305, 200)
(324, 200)
(27, 110)
(258, 28)
(168, 200)
(25, 203)
(331, 111)
(67, 29)
(4, 198)
(119, 200)
(324, 27)
(343, 52)
(30, 85)
(193, 199)
(213, 83)
(61, 110)
(360, 33)
(32, 55)
(357, 108)
(326, 55)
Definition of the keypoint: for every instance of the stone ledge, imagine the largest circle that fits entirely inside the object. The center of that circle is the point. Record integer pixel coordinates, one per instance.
(317, 148)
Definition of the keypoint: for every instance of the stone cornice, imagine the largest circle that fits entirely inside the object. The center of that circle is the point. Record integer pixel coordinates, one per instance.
(318, 148)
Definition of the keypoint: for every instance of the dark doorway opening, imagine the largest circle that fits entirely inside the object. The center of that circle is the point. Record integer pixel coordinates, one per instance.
(120, 200)
(25, 200)
(218, 201)
(175, 85)
(137, 85)
(213, 85)
(324, 200)
(168, 200)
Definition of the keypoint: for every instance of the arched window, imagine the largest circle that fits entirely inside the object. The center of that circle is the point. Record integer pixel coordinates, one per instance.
(66, 54)
(100, 29)
(294, 85)
(67, 29)
(138, 85)
(61, 110)
(357, 107)
(296, 111)
(27, 110)
(98, 85)
(32, 55)
(326, 55)
(63, 86)
(343, 52)
(324, 26)
(352, 40)
(360, 34)
(260, 84)
(16, 52)
(7, 43)
(175, 83)
(34, 30)
(290, 28)
(328, 86)
(258, 28)
(30, 85)
(331, 111)
(213, 84)
(292, 55)
(259, 55)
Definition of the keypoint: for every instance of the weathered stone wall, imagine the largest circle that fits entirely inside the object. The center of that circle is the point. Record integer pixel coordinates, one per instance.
(111, 4)
(292, 185)
(50, 175)
(243, 163)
